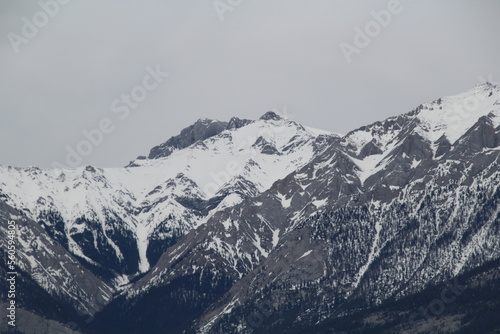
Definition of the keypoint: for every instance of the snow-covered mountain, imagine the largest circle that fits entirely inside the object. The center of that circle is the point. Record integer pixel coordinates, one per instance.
(268, 226)
(396, 193)
(121, 219)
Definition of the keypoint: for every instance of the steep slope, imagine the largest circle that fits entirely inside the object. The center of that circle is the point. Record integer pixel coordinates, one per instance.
(420, 184)
(467, 304)
(118, 221)
(419, 218)
(262, 226)
(50, 281)
(199, 131)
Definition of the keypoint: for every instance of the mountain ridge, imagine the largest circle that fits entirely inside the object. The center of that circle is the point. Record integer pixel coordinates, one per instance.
(279, 213)
(89, 195)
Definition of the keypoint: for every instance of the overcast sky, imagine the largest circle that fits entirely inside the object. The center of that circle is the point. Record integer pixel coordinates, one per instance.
(224, 58)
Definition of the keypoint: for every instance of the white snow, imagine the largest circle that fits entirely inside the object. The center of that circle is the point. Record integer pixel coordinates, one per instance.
(285, 203)
(276, 237)
(456, 114)
(198, 171)
(370, 165)
(305, 254)
(415, 163)
(451, 117)
(320, 203)
(374, 251)
(142, 245)
(209, 167)
(257, 244)
(317, 132)
(227, 224)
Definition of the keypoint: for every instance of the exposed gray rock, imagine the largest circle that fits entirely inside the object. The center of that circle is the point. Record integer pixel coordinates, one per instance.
(200, 130)
(52, 267)
(270, 116)
(30, 323)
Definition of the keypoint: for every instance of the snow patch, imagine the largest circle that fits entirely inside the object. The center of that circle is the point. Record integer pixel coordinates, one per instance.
(305, 254)
(285, 203)
(276, 237)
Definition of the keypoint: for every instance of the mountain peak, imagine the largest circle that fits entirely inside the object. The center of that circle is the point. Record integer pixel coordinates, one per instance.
(270, 116)
(452, 116)
(486, 84)
(205, 120)
(242, 213)
(202, 129)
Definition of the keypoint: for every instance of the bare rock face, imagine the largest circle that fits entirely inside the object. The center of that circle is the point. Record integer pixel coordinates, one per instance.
(381, 215)
(50, 281)
(481, 136)
(31, 323)
(270, 116)
(376, 215)
(199, 131)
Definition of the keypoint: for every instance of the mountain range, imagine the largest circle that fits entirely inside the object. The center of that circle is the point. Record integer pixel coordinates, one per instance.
(269, 226)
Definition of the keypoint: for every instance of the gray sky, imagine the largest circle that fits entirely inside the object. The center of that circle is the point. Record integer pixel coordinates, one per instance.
(264, 55)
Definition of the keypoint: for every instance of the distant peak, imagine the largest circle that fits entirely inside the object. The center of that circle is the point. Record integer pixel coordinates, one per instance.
(486, 85)
(202, 129)
(206, 120)
(270, 115)
(236, 123)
